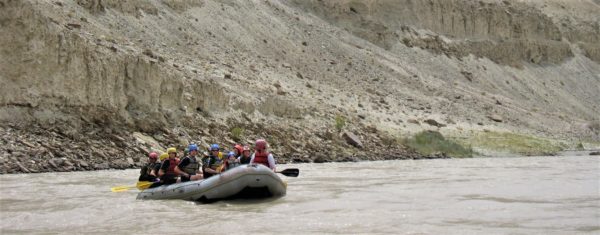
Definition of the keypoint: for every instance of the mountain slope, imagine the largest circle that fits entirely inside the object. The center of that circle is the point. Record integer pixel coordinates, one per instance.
(98, 72)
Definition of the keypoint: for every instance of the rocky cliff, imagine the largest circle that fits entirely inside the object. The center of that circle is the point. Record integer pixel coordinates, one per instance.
(93, 84)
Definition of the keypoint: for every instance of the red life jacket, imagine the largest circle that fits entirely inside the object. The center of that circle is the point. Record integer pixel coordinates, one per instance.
(172, 164)
(262, 158)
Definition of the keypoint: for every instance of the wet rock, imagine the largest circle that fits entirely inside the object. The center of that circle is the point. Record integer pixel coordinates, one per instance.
(597, 153)
(352, 139)
(101, 166)
(320, 158)
(83, 163)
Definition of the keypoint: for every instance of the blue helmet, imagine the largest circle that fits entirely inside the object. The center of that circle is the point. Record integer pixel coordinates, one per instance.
(193, 147)
(214, 147)
(231, 153)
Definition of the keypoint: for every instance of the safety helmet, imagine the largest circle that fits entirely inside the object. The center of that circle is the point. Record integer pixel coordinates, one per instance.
(261, 144)
(239, 148)
(246, 148)
(153, 155)
(214, 147)
(231, 153)
(164, 156)
(193, 147)
(171, 150)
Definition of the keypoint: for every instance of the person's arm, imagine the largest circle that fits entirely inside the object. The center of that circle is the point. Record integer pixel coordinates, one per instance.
(181, 165)
(251, 159)
(271, 160)
(155, 170)
(180, 172)
(210, 170)
(199, 171)
(207, 169)
(163, 167)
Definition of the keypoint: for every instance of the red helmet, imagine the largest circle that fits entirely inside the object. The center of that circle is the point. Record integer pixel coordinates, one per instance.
(239, 148)
(246, 148)
(153, 155)
(261, 144)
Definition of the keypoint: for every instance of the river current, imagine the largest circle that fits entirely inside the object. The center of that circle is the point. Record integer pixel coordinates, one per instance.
(525, 195)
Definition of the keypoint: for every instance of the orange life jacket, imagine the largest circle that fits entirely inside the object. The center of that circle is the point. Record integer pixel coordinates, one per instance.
(262, 158)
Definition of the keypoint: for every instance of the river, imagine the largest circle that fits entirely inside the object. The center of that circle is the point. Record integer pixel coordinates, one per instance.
(525, 195)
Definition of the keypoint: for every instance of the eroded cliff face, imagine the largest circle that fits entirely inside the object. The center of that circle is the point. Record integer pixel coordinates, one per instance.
(507, 32)
(93, 72)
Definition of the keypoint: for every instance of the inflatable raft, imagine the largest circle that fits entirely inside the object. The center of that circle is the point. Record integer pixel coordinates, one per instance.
(246, 181)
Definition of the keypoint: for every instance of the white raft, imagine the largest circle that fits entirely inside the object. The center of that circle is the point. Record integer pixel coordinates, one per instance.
(245, 181)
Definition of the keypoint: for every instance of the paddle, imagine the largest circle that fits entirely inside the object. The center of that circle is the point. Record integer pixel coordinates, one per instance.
(292, 172)
(141, 185)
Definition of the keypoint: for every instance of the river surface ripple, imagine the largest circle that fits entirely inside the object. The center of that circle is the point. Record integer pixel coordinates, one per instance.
(527, 195)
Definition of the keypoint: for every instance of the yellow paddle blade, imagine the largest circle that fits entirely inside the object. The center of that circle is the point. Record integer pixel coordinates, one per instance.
(141, 185)
(121, 188)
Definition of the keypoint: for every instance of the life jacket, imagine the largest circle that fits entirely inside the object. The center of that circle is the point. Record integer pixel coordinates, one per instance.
(218, 161)
(172, 164)
(192, 167)
(262, 158)
(231, 164)
(145, 172)
(245, 160)
(149, 167)
(212, 162)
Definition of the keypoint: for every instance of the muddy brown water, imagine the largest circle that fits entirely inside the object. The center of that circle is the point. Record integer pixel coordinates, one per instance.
(532, 195)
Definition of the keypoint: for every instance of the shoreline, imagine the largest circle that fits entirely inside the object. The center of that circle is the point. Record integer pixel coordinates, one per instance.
(35, 149)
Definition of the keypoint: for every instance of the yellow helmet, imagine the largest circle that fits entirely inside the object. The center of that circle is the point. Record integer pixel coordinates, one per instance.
(164, 156)
(171, 150)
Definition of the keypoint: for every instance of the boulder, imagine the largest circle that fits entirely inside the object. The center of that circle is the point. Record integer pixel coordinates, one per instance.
(23, 168)
(55, 162)
(413, 121)
(320, 158)
(67, 163)
(434, 123)
(83, 163)
(101, 166)
(352, 139)
(495, 118)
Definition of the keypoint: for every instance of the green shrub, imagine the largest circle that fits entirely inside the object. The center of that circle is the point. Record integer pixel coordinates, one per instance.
(340, 122)
(515, 143)
(237, 133)
(430, 142)
(580, 146)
